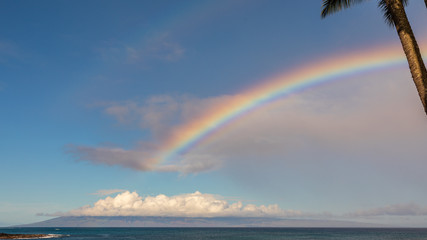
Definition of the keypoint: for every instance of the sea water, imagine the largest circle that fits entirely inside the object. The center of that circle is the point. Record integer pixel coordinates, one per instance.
(225, 233)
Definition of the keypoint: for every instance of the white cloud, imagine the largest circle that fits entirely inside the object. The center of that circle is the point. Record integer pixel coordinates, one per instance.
(185, 205)
(199, 204)
(104, 192)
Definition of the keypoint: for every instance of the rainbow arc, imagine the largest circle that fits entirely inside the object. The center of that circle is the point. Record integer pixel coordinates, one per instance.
(203, 128)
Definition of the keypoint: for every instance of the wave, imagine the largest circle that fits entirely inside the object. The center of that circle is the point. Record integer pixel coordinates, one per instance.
(47, 236)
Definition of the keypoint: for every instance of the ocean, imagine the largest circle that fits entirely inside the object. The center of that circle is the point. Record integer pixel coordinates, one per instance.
(225, 233)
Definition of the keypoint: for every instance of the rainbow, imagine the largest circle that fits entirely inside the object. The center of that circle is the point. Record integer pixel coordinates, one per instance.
(189, 135)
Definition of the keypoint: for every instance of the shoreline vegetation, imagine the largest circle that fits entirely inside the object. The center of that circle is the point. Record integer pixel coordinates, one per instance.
(22, 236)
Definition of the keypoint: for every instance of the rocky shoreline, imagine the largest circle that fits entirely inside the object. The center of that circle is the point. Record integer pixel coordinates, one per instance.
(21, 236)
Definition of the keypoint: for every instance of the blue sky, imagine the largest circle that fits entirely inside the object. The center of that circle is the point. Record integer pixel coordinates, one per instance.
(341, 148)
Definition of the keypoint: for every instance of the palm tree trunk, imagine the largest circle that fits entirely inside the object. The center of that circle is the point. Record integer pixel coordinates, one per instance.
(410, 47)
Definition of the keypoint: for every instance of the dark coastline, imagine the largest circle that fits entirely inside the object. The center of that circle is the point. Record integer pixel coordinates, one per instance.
(21, 236)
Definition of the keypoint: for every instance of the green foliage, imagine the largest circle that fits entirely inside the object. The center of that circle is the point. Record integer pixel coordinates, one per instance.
(331, 6)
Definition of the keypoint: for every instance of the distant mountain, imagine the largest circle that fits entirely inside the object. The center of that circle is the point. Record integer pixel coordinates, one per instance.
(190, 222)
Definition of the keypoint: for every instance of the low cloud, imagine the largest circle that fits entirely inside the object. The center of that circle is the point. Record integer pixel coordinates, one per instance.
(143, 160)
(392, 210)
(185, 205)
(137, 160)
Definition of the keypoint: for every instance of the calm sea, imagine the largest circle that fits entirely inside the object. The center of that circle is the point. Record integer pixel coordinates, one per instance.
(223, 233)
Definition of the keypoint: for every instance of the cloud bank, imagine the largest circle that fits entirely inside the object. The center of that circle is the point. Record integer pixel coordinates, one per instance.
(185, 205)
(204, 205)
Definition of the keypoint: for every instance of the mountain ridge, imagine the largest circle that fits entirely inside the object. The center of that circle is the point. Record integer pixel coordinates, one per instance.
(136, 221)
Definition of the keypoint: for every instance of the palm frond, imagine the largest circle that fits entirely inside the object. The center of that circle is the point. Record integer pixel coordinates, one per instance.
(331, 6)
(388, 15)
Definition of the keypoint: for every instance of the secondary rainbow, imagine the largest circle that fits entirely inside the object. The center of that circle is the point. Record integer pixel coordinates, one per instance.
(204, 127)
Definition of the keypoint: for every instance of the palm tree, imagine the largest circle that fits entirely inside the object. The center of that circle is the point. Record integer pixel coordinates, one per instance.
(395, 16)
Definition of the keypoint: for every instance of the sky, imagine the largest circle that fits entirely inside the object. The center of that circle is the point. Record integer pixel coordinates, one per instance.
(103, 108)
